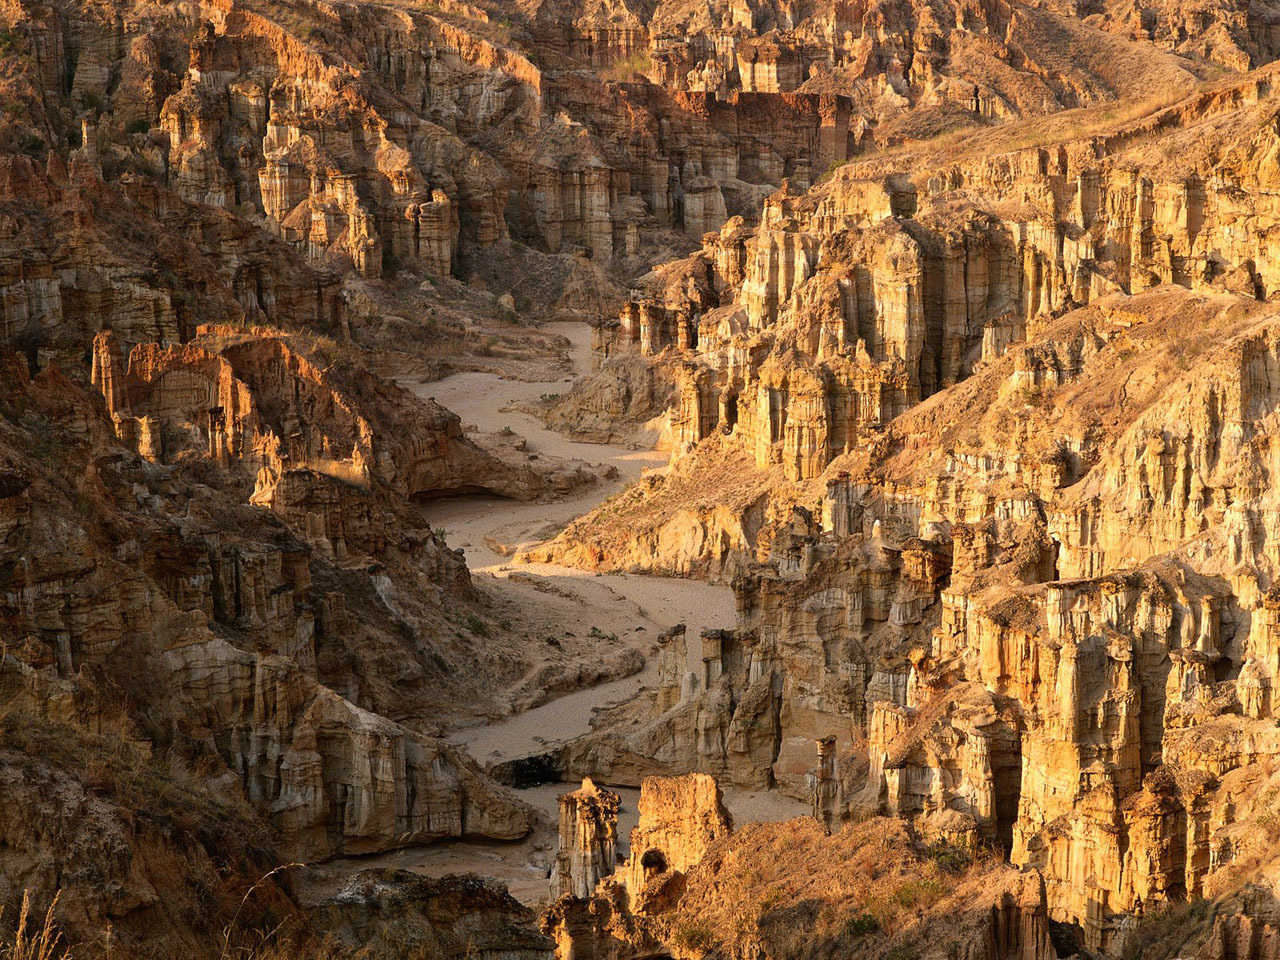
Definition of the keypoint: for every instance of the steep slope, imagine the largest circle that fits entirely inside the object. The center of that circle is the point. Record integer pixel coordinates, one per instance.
(1009, 563)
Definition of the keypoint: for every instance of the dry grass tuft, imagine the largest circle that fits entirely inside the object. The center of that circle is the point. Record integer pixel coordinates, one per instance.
(39, 943)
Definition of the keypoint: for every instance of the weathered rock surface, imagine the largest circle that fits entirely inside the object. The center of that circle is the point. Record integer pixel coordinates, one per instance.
(680, 819)
(979, 425)
(1106, 721)
(1008, 574)
(788, 888)
(262, 402)
(385, 913)
(588, 839)
(147, 604)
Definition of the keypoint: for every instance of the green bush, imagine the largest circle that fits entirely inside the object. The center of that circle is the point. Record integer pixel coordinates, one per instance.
(860, 925)
(32, 145)
(902, 951)
(949, 857)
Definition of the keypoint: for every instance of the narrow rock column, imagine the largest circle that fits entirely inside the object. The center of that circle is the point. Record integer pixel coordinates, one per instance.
(826, 788)
(588, 840)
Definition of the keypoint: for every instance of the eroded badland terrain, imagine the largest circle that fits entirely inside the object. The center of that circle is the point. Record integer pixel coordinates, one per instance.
(638, 479)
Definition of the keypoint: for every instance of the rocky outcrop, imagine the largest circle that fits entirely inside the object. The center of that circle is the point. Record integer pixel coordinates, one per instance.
(791, 889)
(978, 424)
(71, 829)
(818, 643)
(1036, 610)
(379, 911)
(588, 833)
(213, 646)
(262, 402)
(680, 818)
(336, 779)
(702, 519)
(896, 59)
(852, 303)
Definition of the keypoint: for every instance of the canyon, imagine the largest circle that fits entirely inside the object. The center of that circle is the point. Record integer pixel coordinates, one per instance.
(633, 479)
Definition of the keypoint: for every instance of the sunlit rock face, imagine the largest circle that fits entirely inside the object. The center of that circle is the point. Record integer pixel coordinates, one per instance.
(1023, 624)
(1008, 573)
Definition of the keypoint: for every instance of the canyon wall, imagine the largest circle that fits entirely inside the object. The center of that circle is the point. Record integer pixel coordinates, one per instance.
(1009, 577)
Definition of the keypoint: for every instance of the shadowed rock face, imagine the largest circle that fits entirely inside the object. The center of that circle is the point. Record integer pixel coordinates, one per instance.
(457, 916)
(216, 632)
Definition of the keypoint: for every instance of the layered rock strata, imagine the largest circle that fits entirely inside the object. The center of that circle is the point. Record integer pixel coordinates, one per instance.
(1035, 609)
(1024, 601)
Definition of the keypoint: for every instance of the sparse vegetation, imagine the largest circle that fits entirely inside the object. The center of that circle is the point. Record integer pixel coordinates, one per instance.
(167, 789)
(695, 937)
(1171, 931)
(628, 69)
(32, 145)
(35, 942)
(902, 951)
(830, 172)
(1032, 396)
(860, 925)
(916, 893)
(949, 857)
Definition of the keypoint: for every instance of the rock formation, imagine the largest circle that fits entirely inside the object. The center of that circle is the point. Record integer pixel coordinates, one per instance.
(957, 321)
(378, 912)
(680, 818)
(588, 841)
(788, 886)
(996, 578)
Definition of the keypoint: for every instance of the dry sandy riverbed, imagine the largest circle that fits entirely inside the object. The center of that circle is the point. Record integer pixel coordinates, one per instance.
(633, 607)
(524, 865)
(613, 604)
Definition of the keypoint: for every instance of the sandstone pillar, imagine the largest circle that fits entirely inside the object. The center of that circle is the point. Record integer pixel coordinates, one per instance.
(588, 841)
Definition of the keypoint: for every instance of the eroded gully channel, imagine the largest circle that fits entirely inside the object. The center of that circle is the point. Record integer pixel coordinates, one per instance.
(619, 602)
